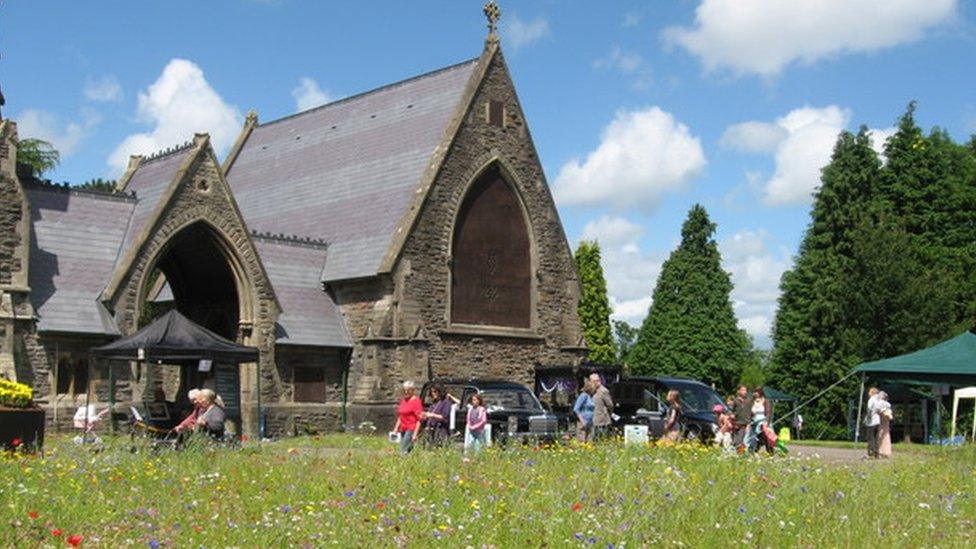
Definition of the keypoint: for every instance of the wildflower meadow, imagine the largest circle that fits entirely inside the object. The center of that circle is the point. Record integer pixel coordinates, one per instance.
(356, 491)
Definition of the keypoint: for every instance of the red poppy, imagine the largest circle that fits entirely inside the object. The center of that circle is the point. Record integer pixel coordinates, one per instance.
(380, 505)
(15, 442)
(577, 506)
(56, 532)
(33, 515)
(75, 540)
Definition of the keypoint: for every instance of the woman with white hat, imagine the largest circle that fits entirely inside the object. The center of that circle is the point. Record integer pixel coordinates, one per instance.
(410, 412)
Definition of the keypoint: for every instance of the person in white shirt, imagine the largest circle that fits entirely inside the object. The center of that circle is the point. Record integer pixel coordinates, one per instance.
(872, 420)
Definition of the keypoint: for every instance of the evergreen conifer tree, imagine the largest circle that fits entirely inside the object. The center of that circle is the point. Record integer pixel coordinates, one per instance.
(812, 348)
(594, 305)
(691, 329)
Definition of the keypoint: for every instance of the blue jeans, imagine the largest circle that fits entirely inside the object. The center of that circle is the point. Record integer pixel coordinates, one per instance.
(475, 441)
(406, 442)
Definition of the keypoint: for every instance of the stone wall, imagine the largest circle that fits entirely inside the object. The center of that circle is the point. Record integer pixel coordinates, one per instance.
(403, 332)
(212, 203)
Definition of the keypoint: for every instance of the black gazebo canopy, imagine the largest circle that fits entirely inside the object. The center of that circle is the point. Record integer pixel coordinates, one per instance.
(174, 337)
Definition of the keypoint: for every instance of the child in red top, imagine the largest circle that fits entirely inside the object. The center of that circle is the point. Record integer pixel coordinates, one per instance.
(410, 411)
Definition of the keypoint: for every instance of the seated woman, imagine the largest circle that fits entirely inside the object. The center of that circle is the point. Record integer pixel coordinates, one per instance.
(212, 417)
(190, 421)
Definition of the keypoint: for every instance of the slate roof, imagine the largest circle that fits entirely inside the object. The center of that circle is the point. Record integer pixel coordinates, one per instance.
(75, 238)
(149, 181)
(309, 316)
(347, 171)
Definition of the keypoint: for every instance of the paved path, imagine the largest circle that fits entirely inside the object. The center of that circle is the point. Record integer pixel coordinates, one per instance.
(825, 453)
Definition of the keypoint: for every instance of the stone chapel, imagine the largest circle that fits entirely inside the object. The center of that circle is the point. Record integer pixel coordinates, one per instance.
(407, 232)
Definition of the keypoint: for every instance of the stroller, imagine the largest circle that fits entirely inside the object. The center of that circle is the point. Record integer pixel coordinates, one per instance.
(143, 433)
(87, 420)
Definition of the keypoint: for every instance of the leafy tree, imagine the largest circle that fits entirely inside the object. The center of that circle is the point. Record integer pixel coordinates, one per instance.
(626, 336)
(930, 184)
(885, 267)
(594, 305)
(691, 329)
(99, 185)
(35, 157)
(812, 348)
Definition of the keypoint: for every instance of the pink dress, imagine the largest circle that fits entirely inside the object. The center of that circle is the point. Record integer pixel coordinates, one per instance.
(884, 431)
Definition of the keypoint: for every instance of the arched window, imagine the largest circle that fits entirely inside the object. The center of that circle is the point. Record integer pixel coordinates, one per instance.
(491, 281)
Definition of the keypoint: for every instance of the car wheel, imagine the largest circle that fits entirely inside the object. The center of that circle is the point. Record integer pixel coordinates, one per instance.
(693, 434)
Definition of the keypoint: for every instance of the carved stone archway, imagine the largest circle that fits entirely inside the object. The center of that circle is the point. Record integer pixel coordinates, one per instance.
(198, 199)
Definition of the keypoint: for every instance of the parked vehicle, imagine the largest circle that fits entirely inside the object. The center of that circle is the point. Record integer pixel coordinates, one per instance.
(641, 401)
(514, 412)
(557, 386)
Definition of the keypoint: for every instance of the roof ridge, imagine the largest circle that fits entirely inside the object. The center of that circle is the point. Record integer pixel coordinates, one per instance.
(65, 187)
(294, 239)
(163, 153)
(370, 92)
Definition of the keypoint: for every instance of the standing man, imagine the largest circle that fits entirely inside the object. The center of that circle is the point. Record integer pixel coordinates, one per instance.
(603, 405)
(872, 420)
(742, 413)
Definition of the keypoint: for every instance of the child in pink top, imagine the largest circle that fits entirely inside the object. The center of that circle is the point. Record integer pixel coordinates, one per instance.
(477, 419)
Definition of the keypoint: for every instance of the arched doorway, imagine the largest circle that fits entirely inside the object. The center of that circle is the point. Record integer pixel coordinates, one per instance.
(197, 273)
(491, 281)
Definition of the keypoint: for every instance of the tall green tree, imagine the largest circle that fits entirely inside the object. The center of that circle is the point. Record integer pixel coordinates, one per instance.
(812, 348)
(594, 305)
(930, 184)
(691, 329)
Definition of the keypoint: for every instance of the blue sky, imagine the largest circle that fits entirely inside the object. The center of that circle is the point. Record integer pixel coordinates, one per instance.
(638, 109)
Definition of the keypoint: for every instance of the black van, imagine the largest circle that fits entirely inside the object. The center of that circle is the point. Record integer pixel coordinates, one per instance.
(642, 401)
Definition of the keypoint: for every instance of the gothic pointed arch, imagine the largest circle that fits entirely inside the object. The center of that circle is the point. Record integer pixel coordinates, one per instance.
(491, 255)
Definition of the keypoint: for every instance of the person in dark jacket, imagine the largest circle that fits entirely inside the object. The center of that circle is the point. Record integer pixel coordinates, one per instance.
(438, 415)
(742, 412)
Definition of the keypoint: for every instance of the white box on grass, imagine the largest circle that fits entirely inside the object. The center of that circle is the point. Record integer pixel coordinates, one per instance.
(635, 434)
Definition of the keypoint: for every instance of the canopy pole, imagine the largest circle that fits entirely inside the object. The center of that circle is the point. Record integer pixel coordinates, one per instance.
(111, 397)
(257, 369)
(860, 402)
(88, 391)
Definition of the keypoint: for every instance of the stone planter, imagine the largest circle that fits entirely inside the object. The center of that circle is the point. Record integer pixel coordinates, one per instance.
(22, 425)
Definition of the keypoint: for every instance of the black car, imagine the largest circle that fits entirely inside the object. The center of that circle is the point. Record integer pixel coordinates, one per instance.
(514, 412)
(642, 401)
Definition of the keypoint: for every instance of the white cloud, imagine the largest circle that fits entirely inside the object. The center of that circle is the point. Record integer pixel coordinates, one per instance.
(103, 89)
(519, 32)
(756, 272)
(754, 137)
(630, 273)
(811, 135)
(64, 136)
(178, 104)
(764, 36)
(308, 94)
(629, 63)
(642, 156)
(624, 61)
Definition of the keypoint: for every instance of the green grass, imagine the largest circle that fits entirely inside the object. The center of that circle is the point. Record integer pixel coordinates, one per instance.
(355, 491)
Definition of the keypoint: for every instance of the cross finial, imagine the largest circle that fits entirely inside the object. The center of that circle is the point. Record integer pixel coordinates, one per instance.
(493, 13)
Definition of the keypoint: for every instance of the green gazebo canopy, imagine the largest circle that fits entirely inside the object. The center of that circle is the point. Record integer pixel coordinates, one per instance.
(951, 362)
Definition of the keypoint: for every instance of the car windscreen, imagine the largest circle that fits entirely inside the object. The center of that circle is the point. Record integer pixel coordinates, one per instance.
(510, 399)
(696, 398)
